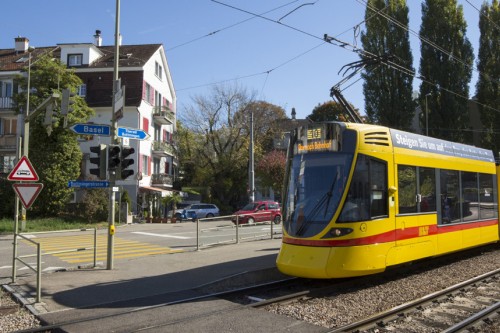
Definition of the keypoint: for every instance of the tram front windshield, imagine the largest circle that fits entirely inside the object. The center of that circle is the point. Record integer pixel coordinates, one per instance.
(315, 184)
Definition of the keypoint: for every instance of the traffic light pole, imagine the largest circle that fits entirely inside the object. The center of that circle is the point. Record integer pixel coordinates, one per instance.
(114, 140)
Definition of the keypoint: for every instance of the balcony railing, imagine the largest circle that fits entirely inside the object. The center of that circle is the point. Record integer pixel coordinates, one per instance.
(161, 179)
(6, 103)
(161, 148)
(8, 142)
(163, 115)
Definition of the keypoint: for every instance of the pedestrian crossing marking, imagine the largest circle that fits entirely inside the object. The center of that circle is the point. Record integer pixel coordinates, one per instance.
(85, 244)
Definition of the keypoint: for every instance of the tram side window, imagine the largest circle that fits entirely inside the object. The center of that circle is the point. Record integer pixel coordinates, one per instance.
(470, 199)
(367, 196)
(407, 189)
(416, 189)
(427, 189)
(450, 196)
(487, 196)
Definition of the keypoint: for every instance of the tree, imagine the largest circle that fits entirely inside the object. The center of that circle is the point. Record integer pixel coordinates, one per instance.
(446, 65)
(56, 157)
(172, 200)
(271, 170)
(219, 143)
(488, 86)
(388, 92)
(215, 136)
(328, 111)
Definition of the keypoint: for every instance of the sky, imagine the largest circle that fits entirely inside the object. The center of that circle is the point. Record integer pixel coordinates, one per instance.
(227, 41)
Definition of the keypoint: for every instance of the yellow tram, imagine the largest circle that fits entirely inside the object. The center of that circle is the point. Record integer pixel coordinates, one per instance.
(360, 198)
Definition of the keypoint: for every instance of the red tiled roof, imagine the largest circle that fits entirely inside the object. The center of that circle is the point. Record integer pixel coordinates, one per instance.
(130, 56)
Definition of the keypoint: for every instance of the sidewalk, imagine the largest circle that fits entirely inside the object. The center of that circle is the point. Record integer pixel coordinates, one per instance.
(235, 264)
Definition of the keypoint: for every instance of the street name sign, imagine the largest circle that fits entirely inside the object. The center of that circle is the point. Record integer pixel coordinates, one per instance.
(23, 171)
(27, 192)
(132, 133)
(88, 184)
(91, 129)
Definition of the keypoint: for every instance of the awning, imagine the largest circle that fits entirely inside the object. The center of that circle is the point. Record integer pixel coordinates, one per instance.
(163, 192)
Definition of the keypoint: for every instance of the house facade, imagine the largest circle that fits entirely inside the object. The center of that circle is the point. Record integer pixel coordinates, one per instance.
(149, 105)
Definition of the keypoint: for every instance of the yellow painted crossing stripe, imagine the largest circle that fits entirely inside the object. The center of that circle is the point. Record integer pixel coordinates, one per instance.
(122, 248)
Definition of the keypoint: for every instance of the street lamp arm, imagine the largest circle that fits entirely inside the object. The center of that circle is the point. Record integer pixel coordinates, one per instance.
(42, 106)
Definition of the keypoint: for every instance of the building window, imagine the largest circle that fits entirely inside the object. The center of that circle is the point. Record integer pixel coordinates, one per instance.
(148, 92)
(145, 165)
(7, 163)
(158, 70)
(82, 90)
(75, 59)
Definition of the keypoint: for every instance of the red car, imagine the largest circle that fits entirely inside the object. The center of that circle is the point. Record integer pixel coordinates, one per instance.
(259, 211)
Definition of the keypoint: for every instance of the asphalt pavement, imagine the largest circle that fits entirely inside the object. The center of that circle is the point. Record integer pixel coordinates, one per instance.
(241, 263)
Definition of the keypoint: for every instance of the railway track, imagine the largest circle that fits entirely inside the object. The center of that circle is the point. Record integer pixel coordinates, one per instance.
(450, 310)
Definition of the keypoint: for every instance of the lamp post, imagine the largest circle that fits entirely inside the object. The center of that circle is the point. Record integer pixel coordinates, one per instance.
(426, 116)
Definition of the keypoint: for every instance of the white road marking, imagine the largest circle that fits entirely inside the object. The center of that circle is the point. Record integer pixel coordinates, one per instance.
(159, 235)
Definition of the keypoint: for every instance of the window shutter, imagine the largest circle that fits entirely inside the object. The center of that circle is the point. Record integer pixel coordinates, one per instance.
(149, 163)
(152, 96)
(145, 125)
(144, 90)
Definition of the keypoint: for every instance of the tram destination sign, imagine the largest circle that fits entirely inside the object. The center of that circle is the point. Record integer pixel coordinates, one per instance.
(91, 129)
(432, 145)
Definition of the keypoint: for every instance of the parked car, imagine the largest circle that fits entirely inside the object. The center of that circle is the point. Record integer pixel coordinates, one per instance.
(259, 211)
(200, 210)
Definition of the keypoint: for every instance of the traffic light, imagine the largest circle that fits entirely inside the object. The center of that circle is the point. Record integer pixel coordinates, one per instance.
(66, 101)
(114, 157)
(125, 162)
(99, 161)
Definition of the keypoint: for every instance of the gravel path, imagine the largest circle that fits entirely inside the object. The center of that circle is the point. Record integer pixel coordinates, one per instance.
(12, 316)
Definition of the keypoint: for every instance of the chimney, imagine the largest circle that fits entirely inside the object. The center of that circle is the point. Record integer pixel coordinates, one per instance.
(293, 113)
(22, 44)
(98, 38)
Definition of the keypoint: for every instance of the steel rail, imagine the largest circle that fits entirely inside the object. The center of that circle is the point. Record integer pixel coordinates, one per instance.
(372, 320)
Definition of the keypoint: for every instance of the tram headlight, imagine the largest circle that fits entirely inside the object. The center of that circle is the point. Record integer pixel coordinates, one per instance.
(339, 232)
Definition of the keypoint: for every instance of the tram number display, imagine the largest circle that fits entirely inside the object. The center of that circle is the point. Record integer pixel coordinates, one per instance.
(318, 138)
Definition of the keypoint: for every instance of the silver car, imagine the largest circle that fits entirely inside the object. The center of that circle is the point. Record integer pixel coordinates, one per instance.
(202, 210)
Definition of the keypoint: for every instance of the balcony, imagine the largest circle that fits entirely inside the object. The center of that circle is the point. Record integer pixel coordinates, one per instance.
(6, 103)
(163, 149)
(8, 143)
(162, 179)
(163, 115)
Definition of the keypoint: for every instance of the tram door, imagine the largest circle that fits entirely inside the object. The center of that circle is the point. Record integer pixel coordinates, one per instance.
(416, 212)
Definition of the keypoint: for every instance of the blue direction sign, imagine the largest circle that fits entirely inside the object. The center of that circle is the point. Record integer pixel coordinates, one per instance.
(132, 133)
(92, 129)
(88, 184)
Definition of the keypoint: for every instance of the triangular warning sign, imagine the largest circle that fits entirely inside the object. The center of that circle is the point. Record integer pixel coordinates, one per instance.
(23, 171)
(27, 192)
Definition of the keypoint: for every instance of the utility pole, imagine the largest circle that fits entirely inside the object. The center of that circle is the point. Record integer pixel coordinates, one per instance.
(251, 177)
(114, 140)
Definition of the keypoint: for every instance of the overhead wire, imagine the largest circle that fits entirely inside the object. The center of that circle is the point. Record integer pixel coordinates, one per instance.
(422, 39)
(429, 42)
(486, 17)
(228, 27)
